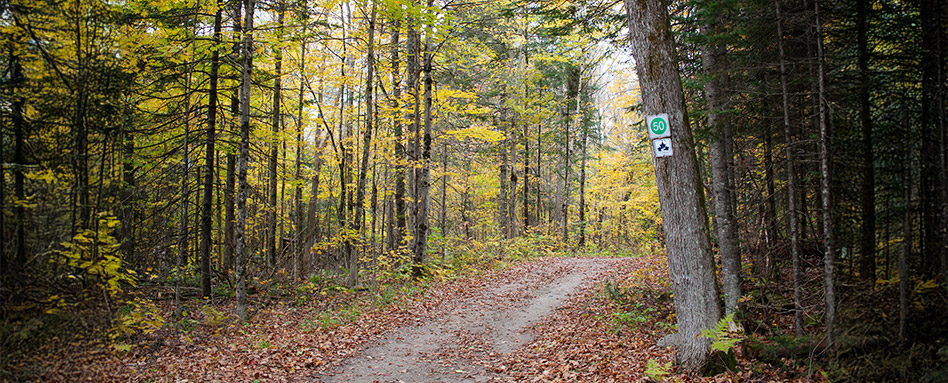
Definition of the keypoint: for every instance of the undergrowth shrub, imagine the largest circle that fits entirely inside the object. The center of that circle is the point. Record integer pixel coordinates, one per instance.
(137, 316)
(95, 256)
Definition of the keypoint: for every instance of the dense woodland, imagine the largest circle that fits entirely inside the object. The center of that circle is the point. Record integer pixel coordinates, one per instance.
(157, 153)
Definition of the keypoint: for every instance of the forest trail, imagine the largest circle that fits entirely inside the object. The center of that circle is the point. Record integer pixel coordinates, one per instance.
(468, 341)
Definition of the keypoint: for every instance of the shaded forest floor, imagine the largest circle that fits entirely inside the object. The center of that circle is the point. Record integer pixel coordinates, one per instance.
(603, 329)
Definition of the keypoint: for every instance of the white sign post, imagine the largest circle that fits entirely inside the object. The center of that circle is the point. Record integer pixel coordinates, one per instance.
(659, 132)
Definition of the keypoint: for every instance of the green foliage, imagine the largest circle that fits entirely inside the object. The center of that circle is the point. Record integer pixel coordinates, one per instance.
(328, 320)
(213, 317)
(531, 245)
(723, 341)
(136, 316)
(17, 331)
(95, 255)
(657, 371)
(223, 290)
(639, 313)
(385, 297)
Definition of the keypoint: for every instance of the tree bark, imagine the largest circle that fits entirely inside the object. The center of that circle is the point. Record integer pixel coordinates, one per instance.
(298, 215)
(19, 160)
(129, 195)
(344, 131)
(401, 226)
(230, 186)
(182, 250)
(538, 174)
(717, 93)
(444, 196)
(905, 277)
(770, 203)
(829, 238)
(526, 177)
(423, 179)
(276, 125)
(230, 183)
(582, 190)
(504, 198)
(81, 130)
(413, 69)
(792, 187)
(572, 95)
(679, 187)
(209, 157)
(512, 179)
(356, 224)
(867, 260)
(243, 188)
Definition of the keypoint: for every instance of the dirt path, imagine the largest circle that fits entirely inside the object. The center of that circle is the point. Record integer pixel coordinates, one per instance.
(469, 340)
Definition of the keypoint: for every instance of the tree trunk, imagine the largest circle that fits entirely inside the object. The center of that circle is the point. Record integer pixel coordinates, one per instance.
(526, 177)
(444, 196)
(572, 95)
(80, 129)
(344, 139)
(230, 186)
(867, 260)
(905, 277)
(276, 124)
(298, 223)
(323, 138)
(356, 224)
(413, 69)
(582, 190)
(182, 250)
(829, 238)
(209, 157)
(770, 203)
(312, 221)
(512, 183)
(538, 174)
(679, 189)
(504, 198)
(792, 187)
(717, 93)
(243, 188)
(423, 179)
(19, 160)
(128, 211)
(231, 180)
(401, 225)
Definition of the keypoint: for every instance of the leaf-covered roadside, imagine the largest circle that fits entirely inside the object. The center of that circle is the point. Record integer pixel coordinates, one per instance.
(288, 338)
(609, 334)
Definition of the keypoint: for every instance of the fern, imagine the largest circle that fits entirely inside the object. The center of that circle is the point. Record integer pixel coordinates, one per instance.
(721, 339)
(656, 371)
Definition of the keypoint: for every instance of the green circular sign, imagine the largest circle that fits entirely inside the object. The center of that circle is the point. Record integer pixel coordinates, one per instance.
(658, 125)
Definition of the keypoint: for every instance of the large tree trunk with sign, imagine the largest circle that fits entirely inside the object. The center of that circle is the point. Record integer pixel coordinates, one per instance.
(679, 188)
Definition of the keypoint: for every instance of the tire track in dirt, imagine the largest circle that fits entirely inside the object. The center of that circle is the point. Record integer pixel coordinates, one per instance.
(468, 340)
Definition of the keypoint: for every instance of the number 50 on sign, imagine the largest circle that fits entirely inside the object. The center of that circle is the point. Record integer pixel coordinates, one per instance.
(658, 126)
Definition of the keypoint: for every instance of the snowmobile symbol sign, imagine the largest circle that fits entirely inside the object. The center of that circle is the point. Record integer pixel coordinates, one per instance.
(658, 126)
(659, 131)
(663, 147)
